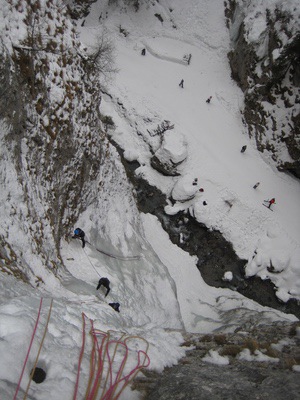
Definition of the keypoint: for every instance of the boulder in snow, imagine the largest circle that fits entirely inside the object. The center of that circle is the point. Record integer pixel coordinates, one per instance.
(171, 153)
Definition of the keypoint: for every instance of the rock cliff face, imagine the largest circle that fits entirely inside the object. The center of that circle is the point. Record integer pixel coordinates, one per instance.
(254, 362)
(79, 8)
(52, 144)
(265, 62)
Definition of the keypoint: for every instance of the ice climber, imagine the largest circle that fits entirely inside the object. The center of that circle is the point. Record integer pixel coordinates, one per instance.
(79, 234)
(104, 282)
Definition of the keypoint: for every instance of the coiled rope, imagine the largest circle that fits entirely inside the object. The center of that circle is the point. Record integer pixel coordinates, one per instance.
(29, 348)
(102, 359)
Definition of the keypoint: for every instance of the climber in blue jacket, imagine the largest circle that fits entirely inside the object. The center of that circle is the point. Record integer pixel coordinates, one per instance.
(79, 234)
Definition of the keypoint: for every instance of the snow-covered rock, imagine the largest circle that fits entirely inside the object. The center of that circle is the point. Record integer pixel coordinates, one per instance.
(186, 188)
(172, 152)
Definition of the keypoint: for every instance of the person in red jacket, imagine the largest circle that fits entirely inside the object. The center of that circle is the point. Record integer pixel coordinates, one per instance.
(272, 201)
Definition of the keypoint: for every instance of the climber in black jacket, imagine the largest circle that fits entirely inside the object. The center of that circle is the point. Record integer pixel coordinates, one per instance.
(105, 282)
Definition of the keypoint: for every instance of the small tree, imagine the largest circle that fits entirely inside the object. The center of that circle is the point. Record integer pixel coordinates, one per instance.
(107, 121)
(161, 129)
(101, 59)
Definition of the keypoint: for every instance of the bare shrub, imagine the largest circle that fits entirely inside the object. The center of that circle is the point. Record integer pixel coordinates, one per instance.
(251, 344)
(220, 339)
(101, 59)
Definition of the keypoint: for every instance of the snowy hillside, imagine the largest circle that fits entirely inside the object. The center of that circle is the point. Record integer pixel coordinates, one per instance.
(146, 92)
(53, 183)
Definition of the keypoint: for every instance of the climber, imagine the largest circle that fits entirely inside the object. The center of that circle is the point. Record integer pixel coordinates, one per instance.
(79, 234)
(181, 83)
(256, 185)
(243, 149)
(195, 182)
(209, 99)
(105, 282)
(115, 306)
(143, 53)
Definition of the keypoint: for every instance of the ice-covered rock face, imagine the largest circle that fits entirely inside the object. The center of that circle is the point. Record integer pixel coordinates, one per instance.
(48, 149)
(265, 63)
(172, 152)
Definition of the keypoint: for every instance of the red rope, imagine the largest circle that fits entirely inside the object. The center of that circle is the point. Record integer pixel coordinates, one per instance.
(103, 351)
(127, 377)
(26, 359)
(80, 356)
(100, 363)
(121, 366)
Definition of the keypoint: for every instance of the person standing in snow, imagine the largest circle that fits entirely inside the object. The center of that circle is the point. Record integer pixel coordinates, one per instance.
(79, 234)
(143, 52)
(256, 185)
(195, 182)
(243, 149)
(209, 99)
(181, 83)
(104, 282)
(272, 201)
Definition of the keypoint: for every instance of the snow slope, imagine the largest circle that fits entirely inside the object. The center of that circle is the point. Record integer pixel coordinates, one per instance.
(147, 89)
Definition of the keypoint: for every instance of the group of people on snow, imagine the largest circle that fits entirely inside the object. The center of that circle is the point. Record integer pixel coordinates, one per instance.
(243, 149)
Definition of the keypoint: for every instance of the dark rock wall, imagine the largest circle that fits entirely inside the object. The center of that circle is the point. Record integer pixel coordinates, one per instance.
(50, 105)
(267, 70)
